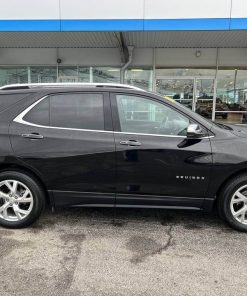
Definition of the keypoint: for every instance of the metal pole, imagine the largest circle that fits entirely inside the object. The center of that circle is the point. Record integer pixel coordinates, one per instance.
(57, 72)
(235, 81)
(57, 53)
(154, 70)
(29, 74)
(125, 66)
(91, 74)
(215, 85)
(194, 99)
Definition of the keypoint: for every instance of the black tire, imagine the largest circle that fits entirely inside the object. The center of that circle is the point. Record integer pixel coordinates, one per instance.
(224, 201)
(37, 194)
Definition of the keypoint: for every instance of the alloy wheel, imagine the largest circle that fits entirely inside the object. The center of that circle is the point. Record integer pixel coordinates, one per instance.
(239, 205)
(16, 200)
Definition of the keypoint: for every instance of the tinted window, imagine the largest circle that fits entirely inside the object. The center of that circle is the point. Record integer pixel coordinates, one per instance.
(39, 114)
(142, 115)
(82, 111)
(8, 100)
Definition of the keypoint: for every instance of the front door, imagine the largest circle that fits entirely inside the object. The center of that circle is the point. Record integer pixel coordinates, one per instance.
(156, 165)
(196, 93)
(67, 139)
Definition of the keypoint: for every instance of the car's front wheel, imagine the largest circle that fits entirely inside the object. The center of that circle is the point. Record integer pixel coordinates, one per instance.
(232, 202)
(21, 199)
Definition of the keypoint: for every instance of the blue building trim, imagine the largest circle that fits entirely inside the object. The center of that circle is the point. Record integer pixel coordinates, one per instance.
(102, 25)
(30, 25)
(123, 25)
(187, 24)
(238, 24)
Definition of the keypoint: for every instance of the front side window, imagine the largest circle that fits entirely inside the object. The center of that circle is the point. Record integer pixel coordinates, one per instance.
(143, 115)
(80, 111)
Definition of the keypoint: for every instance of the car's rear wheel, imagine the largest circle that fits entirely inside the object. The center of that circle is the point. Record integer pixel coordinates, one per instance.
(232, 202)
(21, 199)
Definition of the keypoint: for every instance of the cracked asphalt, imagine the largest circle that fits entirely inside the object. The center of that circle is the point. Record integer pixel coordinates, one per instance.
(142, 252)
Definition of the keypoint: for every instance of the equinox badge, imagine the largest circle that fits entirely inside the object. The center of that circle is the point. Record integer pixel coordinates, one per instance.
(197, 178)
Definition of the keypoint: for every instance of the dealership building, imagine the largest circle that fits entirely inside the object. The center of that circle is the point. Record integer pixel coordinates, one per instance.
(192, 51)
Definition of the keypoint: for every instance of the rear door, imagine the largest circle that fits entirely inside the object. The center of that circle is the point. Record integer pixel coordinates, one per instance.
(67, 138)
(156, 164)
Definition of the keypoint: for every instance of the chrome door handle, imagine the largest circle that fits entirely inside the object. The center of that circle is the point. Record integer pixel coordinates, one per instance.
(32, 136)
(130, 143)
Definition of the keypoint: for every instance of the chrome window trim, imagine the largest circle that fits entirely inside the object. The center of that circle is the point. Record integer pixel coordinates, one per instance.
(19, 119)
(156, 135)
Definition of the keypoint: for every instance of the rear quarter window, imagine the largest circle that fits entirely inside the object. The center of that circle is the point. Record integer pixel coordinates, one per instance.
(39, 114)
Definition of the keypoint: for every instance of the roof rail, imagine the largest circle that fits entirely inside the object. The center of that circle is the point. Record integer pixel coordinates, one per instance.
(75, 84)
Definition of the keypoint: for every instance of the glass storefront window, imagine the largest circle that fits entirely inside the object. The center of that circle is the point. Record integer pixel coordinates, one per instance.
(181, 90)
(73, 74)
(106, 75)
(241, 79)
(189, 86)
(241, 92)
(83, 74)
(52, 74)
(204, 94)
(231, 96)
(225, 86)
(87, 74)
(140, 78)
(185, 72)
(12, 75)
(43, 74)
(67, 74)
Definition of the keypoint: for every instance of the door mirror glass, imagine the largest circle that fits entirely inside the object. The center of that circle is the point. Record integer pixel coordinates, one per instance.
(194, 131)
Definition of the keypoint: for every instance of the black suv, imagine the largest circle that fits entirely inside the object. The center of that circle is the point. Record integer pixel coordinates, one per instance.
(114, 146)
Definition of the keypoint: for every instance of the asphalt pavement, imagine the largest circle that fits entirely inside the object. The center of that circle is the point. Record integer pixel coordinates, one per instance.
(141, 252)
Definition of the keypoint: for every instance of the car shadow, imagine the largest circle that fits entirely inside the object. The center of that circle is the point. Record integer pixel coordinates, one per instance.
(187, 219)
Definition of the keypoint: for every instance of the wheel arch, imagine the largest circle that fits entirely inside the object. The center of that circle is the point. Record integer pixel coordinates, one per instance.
(31, 173)
(232, 176)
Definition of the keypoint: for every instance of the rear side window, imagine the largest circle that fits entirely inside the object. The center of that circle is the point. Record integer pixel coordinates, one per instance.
(81, 111)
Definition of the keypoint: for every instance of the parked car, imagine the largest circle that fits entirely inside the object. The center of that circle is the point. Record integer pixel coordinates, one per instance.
(114, 146)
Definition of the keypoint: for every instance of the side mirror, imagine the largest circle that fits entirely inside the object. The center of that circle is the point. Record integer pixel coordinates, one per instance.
(194, 131)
